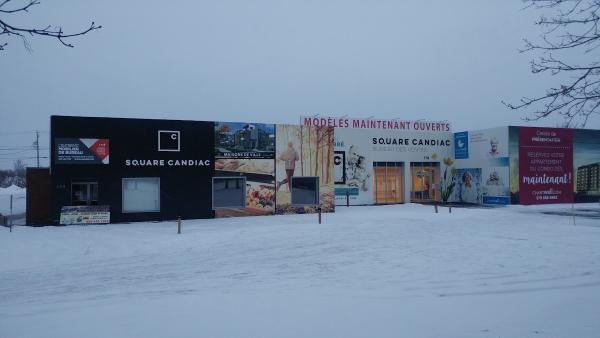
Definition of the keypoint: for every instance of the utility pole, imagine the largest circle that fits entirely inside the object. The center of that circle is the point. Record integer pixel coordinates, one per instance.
(37, 146)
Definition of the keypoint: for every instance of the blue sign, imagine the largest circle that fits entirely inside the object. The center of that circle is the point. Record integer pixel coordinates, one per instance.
(496, 200)
(352, 191)
(461, 145)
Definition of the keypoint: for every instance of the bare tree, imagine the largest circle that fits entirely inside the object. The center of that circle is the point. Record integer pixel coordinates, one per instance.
(567, 46)
(9, 30)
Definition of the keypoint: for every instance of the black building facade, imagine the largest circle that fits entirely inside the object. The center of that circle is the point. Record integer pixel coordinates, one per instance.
(127, 170)
(118, 162)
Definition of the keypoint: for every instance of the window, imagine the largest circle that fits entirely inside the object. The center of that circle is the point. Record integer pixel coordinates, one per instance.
(84, 193)
(141, 194)
(389, 181)
(425, 181)
(305, 190)
(229, 192)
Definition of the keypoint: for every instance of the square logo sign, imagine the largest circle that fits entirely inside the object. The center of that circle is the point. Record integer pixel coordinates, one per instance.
(169, 140)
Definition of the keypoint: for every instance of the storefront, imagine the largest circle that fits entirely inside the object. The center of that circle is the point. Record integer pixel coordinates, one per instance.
(388, 161)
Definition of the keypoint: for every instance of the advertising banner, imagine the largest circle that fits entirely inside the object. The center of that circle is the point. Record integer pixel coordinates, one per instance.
(468, 188)
(373, 123)
(247, 149)
(85, 214)
(244, 140)
(461, 145)
(304, 151)
(81, 151)
(376, 163)
(486, 150)
(545, 165)
(586, 163)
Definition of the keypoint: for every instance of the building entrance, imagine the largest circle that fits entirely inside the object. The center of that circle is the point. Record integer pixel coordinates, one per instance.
(424, 181)
(389, 182)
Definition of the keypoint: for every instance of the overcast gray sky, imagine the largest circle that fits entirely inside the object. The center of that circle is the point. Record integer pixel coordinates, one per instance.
(270, 61)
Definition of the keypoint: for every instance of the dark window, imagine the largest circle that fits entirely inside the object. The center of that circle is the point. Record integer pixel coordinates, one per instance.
(84, 193)
(229, 192)
(305, 190)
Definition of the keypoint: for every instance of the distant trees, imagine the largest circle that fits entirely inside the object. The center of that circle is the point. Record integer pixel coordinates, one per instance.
(567, 49)
(9, 30)
(16, 176)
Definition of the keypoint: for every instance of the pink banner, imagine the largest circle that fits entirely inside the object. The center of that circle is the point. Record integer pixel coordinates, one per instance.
(545, 165)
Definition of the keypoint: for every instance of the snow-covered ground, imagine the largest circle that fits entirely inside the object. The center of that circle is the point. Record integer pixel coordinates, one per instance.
(19, 199)
(387, 271)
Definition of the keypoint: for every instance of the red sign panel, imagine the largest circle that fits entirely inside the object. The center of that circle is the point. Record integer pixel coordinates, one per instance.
(545, 165)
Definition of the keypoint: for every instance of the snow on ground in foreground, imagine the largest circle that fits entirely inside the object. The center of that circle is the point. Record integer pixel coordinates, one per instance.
(387, 271)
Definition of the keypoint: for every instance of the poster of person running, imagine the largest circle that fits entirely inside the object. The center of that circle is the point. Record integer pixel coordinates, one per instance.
(303, 151)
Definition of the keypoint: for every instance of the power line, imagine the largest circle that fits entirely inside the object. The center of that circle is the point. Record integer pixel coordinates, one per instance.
(28, 148)
(21, 158)
(17, 152)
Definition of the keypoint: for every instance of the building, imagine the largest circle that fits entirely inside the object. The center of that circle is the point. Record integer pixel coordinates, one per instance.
(125, 170)
(588, 178)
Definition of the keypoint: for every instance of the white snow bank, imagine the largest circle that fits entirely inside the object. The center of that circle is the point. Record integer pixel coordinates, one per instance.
(12, 190)
(383, 271)
(19, 200)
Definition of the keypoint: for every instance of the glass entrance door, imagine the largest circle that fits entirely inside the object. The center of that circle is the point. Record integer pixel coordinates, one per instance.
(388, 177)
(424, 181)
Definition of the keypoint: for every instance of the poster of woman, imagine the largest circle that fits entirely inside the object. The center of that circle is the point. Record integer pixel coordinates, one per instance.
(469, 186)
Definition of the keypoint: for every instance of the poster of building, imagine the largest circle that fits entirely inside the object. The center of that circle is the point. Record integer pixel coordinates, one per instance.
(304, 151)
(248, 150)
(487, 150)
(81, 151)
(244, 140)
(586, 165)
(545, 165)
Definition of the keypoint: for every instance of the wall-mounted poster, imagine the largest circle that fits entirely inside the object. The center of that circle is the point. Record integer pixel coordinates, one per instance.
(461, 145)
(85, 214)
(495, 182)
(81, 151)
(468, 186)
(247, 149)
(304, 151)
(586, 163)
(244, 140)
(487, 150)
(378, 164)
(545, 165)
(513, 151)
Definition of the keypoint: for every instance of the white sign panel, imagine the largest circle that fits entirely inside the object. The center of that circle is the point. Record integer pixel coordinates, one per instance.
(370, 123)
